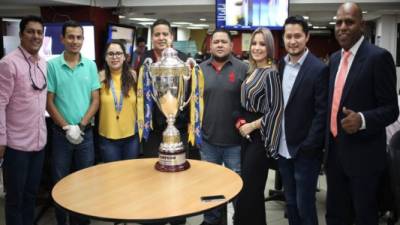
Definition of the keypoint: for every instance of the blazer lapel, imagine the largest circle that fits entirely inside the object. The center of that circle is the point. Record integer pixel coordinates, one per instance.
(299, 77)
(333, 68)
(354, 71)
(281, 67)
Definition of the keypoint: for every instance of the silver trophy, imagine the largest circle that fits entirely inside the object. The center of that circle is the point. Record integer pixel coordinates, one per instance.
(170, 79)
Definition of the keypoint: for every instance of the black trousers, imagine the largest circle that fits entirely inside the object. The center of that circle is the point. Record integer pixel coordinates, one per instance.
(351, 199)
(250, 206)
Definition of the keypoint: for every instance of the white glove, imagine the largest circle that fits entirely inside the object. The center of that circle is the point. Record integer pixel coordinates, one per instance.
(73, 134)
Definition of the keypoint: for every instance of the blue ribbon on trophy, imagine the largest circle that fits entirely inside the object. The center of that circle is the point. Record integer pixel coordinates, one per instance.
(197, 126)
(148, 101)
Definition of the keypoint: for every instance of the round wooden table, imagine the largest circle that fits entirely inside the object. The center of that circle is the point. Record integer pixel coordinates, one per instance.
(134, 191)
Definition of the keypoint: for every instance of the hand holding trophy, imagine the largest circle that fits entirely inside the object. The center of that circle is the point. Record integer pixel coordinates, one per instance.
(166, 83)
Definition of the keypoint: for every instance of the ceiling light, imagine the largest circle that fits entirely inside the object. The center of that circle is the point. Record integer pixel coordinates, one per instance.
(310, 24)
(181, 23)
(143, 19)
(146, 23)
(11, 20)
(319, 27)
(306, 17)
(200, 25)
(332, 23)
(364, 12)
(334, 18)
(203, 19)
(195, 28)
(121, 16)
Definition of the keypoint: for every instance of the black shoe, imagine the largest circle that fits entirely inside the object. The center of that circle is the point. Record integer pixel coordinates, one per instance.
(178, 222)
(206, 223)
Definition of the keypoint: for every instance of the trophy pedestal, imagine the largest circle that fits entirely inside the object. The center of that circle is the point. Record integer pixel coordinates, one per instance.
(176, 168)
(172, 155)
(172, 161)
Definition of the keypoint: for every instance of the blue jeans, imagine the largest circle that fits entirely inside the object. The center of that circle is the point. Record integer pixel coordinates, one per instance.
(66, 156)
(22, 173)
(227, 155)
(119, 149)
(299, 179)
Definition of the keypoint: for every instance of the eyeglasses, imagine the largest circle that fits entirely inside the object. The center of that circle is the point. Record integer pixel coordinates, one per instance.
(116, 54)
(34, 86)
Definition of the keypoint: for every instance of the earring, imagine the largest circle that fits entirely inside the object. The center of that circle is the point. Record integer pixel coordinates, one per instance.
(269, 61)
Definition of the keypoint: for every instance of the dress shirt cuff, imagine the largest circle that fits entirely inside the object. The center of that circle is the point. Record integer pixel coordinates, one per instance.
(3, 140)
(363, 125)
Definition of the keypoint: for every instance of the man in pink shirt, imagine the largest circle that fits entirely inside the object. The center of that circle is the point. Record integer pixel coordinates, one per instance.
(23, 89)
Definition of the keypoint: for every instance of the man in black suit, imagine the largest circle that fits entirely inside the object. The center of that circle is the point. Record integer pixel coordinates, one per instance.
(162, 37)
(362, 102)
(304, 86)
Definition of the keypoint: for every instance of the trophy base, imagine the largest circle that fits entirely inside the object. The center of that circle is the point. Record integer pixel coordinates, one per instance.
(174, 168)
(171, 153)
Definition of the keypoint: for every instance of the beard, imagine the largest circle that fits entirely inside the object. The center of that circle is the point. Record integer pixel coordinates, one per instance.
(297, 52)
(221, 58)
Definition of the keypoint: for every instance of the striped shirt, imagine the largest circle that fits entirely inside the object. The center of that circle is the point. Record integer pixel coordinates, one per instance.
(263, 94)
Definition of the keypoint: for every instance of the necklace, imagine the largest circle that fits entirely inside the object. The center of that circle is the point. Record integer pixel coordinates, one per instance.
(117, 104)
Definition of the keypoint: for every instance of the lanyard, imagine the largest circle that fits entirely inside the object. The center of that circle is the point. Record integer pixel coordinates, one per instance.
(117, 105)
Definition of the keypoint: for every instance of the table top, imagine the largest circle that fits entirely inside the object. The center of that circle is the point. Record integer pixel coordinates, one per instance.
(133, 190)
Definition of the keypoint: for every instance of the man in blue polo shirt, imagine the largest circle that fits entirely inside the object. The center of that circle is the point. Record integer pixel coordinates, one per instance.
(72, 101)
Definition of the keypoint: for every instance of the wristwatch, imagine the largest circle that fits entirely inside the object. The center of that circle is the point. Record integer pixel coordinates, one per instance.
(82, 127)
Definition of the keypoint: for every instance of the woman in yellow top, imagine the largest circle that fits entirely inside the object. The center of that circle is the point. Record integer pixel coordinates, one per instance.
(117, 114)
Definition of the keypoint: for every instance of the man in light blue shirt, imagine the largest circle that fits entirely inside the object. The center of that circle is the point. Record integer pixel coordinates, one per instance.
(304, 85)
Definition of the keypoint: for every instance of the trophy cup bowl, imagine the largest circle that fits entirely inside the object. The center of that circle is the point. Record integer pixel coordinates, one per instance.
(169, 78)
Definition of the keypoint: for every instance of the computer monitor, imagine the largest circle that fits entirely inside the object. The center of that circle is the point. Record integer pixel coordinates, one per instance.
(251, 14)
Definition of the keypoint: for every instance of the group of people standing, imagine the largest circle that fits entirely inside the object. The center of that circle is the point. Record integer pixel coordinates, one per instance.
(310, 114)
(289, 111)
(72, 91)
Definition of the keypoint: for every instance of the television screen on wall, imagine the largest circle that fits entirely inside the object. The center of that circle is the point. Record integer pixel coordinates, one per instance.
(251, 14)
(125, 33)
(53, 47)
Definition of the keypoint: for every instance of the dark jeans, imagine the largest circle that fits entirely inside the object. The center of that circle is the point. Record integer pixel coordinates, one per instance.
(299, 179)
(120, 149)
(229, 156)
(67, 156)
(22, 173)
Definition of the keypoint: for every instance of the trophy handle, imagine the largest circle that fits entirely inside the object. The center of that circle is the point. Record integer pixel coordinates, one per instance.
(186, 80)
(147, 63)
(185, 89)
(189, 63)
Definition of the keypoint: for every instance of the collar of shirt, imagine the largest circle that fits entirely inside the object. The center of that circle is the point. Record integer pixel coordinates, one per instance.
(63, 62)
(29, 56)
(299, 62)
(211, 60)
(211, 63)
(153, 55)
(41, 62)
(355, 47)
